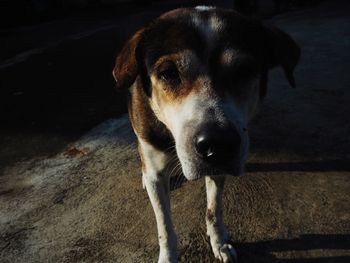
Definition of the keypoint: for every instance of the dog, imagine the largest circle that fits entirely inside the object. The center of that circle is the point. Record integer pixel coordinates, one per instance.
(196, 77)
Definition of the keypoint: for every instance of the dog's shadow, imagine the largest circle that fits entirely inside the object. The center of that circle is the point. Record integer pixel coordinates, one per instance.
(313, 166)
(335, 249)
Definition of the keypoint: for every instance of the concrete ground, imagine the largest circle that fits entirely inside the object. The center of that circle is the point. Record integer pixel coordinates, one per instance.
(67, 198)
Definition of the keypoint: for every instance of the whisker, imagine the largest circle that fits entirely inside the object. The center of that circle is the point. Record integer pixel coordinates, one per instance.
(179, 177)
(174, 175)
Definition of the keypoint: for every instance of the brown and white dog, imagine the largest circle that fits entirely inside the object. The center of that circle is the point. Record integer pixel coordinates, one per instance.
(196, 77)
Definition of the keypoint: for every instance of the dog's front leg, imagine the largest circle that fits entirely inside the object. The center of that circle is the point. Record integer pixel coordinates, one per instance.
(216, 229)
(157, 186)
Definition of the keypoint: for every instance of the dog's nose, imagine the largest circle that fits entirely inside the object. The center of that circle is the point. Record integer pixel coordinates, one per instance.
(218, 145)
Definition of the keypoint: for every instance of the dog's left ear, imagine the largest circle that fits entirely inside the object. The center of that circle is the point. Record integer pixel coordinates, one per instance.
(281, 50)
(126, 65)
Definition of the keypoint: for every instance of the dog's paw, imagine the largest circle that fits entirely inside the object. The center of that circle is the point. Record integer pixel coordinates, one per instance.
(222, 250)
(225, 253)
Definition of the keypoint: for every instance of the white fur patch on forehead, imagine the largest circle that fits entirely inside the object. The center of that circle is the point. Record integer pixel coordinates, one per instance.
(210, 27)
(198, 21)
(227, 56)
(204, 8)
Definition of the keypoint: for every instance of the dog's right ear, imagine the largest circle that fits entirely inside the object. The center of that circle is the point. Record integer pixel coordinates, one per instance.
(126, 69)
(283, 51)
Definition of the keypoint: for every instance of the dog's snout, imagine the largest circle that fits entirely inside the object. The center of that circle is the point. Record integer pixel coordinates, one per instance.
(217, 145)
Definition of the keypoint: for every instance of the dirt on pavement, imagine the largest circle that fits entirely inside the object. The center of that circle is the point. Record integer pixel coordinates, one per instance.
(85, 202)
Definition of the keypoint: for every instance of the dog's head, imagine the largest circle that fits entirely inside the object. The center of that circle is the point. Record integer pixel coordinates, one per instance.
(204, 71)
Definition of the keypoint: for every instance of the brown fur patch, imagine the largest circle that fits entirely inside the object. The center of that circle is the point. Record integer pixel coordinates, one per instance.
(176, 13)
(145, 123)
(210, 216)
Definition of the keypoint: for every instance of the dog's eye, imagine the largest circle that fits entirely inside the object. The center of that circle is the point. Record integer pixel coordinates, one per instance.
(169, 73)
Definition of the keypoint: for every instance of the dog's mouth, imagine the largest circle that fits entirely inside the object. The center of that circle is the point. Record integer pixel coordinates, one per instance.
(219, 156)
(216, 157)
(233, 168)
(197, 169)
